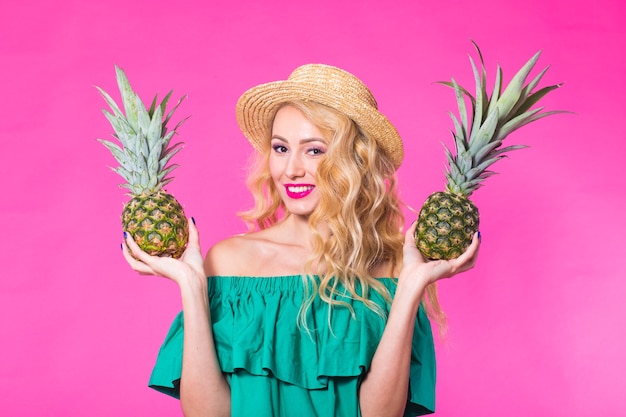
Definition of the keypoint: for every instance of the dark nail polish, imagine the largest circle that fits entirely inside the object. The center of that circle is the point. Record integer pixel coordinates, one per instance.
(479, 236)
(125, 235)
(121, 246)
(193, 220)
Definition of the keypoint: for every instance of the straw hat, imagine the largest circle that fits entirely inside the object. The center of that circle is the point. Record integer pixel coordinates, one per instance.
(323, 84)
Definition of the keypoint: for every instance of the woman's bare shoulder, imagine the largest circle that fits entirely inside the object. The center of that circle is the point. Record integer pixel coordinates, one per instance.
(261, 253)
(229, 256)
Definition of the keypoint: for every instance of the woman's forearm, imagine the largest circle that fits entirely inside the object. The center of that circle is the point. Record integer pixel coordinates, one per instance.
(385, 387)
(204, 390)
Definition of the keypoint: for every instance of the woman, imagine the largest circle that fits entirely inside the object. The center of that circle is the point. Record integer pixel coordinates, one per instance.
(317, 311)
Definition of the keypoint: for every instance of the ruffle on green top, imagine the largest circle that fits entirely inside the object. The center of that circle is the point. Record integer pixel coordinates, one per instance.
(256, 334)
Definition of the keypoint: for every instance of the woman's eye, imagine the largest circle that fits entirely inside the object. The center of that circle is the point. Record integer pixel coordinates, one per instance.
(279, 148)
(316, 151)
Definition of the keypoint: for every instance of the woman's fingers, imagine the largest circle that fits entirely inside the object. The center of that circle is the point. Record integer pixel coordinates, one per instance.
(194, 236)
(467, 260)
(411, 253)
(190, 262)
(193, 253)
(409, 236)
(144, 263)
(432, 271)
(464, 262)
(135, 250)
(134, 263)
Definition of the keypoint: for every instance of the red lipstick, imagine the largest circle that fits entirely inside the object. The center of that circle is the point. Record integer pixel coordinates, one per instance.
(298, 190)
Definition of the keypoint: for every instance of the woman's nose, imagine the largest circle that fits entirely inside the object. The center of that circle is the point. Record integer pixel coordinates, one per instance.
(295, 166)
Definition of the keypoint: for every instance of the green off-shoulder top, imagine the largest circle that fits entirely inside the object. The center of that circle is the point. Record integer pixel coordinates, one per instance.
(277, 368)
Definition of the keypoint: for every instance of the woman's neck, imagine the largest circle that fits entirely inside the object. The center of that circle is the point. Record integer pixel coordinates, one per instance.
(299, 228)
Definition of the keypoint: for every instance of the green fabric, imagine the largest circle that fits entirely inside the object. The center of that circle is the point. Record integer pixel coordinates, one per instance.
(276, 368)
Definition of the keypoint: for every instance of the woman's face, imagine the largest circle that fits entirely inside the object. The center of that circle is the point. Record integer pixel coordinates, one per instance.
(297, 146)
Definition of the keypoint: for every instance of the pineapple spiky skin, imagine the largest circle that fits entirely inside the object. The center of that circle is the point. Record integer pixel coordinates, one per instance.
(448, 220)
(157, 223)
(446, 225)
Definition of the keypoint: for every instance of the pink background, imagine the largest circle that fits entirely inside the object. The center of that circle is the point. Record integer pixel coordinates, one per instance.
(537, 329)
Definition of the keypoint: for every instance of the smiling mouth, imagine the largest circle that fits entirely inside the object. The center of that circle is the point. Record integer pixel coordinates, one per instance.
(298, 191)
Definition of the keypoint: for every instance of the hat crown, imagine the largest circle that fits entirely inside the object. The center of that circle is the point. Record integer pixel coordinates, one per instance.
(325, 85)
(346, 87)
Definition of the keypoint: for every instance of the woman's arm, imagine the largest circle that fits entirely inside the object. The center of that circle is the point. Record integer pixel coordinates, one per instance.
(385, 387)
(204, 390)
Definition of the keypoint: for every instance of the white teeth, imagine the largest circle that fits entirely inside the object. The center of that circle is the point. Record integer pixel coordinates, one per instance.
(299, 188)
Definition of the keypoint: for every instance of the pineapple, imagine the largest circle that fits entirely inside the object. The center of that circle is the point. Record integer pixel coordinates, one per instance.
(154, 218)
(448, 219)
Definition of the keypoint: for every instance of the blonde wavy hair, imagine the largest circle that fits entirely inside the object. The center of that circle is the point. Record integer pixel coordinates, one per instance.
(365, 229)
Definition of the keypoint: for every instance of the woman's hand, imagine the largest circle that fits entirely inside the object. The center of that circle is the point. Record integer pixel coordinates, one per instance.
(415, 266)
(189, 264)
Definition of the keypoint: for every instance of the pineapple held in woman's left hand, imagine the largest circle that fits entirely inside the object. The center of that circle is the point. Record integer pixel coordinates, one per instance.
(154, 218)
(448, 220)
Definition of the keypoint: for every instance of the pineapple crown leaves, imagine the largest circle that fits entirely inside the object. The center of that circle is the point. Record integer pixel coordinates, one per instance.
(478, 140)
(145, 147)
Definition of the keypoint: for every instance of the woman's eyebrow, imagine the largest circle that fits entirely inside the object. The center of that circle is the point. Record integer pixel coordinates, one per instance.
(302, 141)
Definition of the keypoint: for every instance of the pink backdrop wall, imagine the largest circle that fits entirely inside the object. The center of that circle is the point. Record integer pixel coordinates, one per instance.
(537, 329)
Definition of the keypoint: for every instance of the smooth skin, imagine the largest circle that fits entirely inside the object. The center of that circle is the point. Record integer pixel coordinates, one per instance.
(297, 147)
